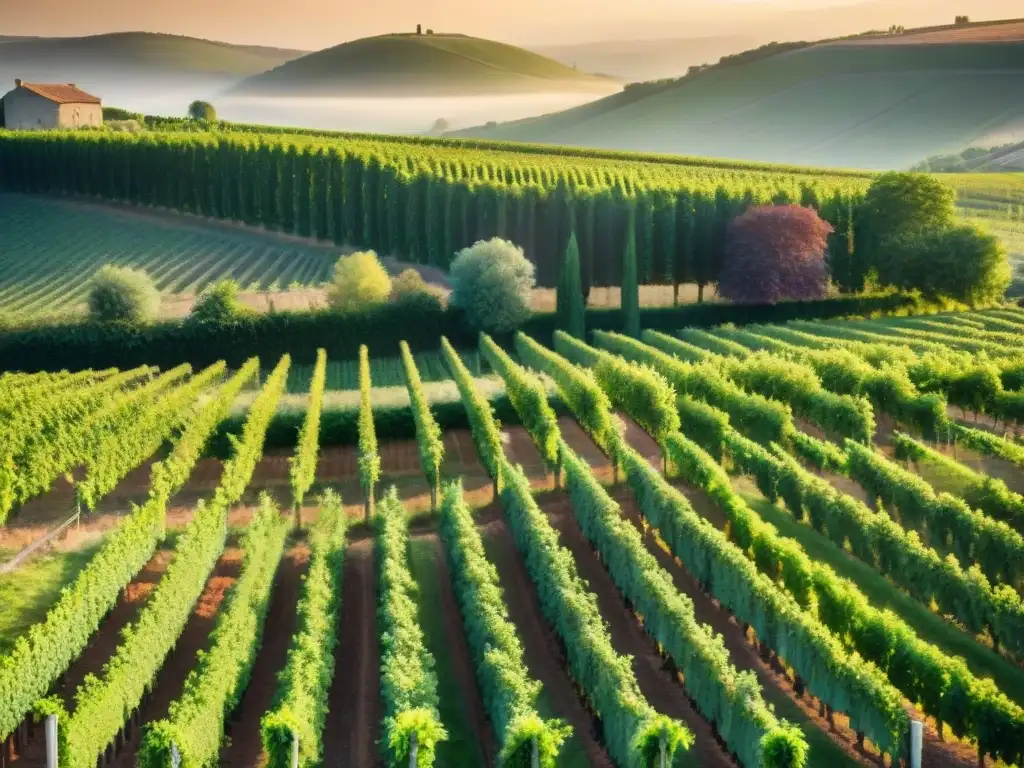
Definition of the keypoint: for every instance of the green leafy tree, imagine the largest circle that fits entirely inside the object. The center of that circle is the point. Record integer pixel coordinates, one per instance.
(962, 263)
(360, 282)
(122, 294)
(218, 304)
(571, 307)
(630, 283)
(899, 205)
(492, 283)
(202, 110)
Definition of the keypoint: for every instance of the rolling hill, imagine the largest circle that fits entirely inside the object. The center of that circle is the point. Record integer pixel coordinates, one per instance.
(871, 102)
(420, 65)
(121, 65)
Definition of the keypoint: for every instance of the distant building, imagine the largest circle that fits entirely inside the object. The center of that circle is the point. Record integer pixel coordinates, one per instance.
(35, 106)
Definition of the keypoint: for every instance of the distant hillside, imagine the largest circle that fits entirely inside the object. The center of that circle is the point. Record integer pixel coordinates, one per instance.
(638, 60)
(418, 65)
(886, 101)
(1000, 159)
(113, 64)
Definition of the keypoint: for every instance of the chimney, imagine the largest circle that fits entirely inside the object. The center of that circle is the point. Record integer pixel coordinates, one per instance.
(17, 82)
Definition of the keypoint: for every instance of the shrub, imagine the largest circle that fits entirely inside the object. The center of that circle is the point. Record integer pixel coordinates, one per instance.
(492, 283)
(360, 282)
(775, 253)
(202, 110)
(122, 294)
(962, 263)
(408, 283)
(218, 303)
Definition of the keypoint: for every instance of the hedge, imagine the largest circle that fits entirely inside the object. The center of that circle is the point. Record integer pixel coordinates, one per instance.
(76, 346)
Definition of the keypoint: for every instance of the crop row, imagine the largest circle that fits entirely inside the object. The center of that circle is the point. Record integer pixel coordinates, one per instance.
(49, 647)
(102, 704)
(841, 681)
(421, 203)
(994, 721)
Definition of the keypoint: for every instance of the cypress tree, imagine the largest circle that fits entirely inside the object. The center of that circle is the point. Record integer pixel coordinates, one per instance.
(630, 284)
(570, 305)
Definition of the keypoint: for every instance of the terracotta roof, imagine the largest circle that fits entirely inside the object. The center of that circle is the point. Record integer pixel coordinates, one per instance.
(61, 94)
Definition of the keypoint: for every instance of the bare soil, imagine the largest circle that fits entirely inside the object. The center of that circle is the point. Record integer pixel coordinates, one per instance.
(667, 697)
(244, 747)
(543, 656)
(105, 642)
(353, 722)
(170, 681)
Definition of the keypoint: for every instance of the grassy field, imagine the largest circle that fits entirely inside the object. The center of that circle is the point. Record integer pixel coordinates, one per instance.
(49, 249)
(870, 107)
(414, 64)
(28, 593)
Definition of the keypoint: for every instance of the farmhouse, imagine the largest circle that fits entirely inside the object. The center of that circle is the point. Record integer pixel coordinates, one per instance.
(35, 106)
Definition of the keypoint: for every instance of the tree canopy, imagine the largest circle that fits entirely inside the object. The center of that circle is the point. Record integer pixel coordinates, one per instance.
(492, 283)
(775, 253)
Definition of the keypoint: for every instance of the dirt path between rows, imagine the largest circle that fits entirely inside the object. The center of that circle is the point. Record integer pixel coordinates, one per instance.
(355, 709)
(245, 741)
(106, 640)
(170, 681)
(544, 659)
(666, 696)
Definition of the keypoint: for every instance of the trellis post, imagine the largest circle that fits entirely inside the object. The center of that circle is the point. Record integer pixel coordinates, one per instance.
(916, 742)
(51, 741)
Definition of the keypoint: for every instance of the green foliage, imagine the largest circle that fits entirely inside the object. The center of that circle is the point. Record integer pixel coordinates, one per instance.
(840, 679)
(369, 458)
(103, 703)
(122, 294)
(428, 433)
(580, 391)
(509, 694)
(638, 389)
(727, 697)
(961, 263)
(196, 721)
(529, 398)
(144, 427)
(492, 283)
(302, 465)
(360, 282)
(218, 303)
(48, 648)
(988, 444)
(408, 681)
(300, 704)
(630, 283)
(899, 204)
(632, 730)
(883, 544)
(202, 110)
(484, 427)
(946, 522)
(572, 309)
(751, 414)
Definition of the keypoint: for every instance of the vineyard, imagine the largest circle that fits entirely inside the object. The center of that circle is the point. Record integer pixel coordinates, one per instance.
(772, 546)
(51, 248)
(426, 201)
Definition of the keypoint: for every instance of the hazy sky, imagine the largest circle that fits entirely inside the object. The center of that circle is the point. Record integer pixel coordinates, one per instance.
(313, 24)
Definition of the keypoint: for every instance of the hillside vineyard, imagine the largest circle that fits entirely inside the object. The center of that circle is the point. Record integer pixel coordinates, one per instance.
(720, 505)
(426, 200)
